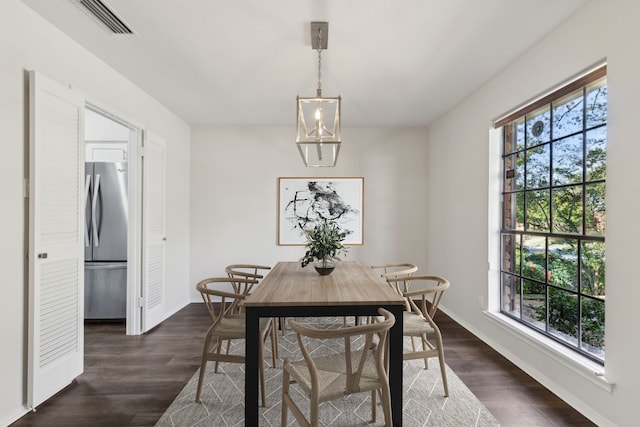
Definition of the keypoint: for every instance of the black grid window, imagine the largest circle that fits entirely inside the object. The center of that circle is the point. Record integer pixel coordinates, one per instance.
(554, 215)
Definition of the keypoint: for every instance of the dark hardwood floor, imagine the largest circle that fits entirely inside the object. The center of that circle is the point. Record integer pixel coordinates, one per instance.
(131, 380)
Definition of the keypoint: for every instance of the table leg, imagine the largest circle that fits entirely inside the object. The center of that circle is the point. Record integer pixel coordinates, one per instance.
(395, 366)
(251, 369)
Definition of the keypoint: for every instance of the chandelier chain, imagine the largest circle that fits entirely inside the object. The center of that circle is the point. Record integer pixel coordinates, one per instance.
(319, 60)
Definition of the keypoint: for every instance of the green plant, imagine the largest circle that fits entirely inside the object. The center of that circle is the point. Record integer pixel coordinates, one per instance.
(324, 241)
(564, 314)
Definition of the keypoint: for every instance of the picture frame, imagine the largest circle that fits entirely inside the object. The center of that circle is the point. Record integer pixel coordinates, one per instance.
(305, 201)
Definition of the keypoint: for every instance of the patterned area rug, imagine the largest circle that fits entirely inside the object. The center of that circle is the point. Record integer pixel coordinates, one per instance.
(423, 400)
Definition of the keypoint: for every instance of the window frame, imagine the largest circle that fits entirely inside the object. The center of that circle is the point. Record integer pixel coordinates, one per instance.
(521, 115)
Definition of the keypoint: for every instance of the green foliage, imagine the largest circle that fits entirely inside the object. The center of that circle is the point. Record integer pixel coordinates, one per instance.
(567, 209)
(564, 315)
(593, 322)
(323, 241)
(593, 268)
(534, 266)
(563, 312)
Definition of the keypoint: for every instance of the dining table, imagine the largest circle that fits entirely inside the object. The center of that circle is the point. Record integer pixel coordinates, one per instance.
(352, 289)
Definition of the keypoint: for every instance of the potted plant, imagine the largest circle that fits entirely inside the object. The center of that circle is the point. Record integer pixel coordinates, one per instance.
(324, 242)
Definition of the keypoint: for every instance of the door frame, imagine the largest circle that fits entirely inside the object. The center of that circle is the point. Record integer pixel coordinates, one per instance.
(134, 234)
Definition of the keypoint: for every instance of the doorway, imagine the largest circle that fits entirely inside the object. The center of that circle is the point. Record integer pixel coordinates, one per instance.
(110, 288)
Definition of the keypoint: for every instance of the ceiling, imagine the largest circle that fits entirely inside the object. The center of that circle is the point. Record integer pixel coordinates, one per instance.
(243, 62)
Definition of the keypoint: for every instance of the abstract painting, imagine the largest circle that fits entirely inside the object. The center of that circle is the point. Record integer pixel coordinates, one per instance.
(303, 202)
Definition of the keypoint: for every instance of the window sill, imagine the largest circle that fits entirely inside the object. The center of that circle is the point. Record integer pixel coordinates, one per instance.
(573, 361)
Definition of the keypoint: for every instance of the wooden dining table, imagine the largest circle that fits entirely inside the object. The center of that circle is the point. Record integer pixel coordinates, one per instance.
(352, 289)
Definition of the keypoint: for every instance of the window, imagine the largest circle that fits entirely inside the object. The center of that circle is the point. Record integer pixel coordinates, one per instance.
(554, 215)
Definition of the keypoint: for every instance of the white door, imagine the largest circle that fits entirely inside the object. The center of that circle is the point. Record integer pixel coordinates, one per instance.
(153, 225)
(56, 256)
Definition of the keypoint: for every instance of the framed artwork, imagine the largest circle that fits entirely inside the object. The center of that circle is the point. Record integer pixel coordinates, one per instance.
(303, 202)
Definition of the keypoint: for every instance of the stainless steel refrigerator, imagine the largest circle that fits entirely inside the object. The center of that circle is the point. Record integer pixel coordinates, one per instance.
(105, 237)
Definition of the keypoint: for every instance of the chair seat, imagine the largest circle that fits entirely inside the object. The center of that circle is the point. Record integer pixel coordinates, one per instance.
(415, 325)
(234, 327)
(332, 374)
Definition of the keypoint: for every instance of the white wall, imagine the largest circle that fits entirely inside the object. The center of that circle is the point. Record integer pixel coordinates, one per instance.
(458, 247)
(29, 43)
(234, 190)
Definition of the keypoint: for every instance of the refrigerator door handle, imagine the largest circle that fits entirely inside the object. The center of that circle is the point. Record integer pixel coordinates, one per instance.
(87, 187)
(94, 203)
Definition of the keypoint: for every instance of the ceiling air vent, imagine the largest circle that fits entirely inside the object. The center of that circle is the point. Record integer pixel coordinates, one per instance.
(101, 12)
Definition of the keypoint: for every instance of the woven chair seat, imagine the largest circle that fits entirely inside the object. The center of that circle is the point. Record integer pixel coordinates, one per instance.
(234, 327)
(332, 375)
(415, 324)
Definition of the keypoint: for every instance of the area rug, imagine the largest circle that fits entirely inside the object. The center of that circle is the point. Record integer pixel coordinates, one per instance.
(423, 401)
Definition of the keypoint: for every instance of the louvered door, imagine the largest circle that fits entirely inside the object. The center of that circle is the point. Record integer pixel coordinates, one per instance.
(56, 257)
(153, 305)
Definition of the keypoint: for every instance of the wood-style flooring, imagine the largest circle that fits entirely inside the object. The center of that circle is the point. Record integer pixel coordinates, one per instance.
(131, 380)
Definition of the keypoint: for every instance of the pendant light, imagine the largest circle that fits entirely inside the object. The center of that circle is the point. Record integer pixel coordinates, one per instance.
(318, 127)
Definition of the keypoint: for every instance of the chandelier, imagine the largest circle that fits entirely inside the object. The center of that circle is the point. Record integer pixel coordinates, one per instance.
(318, 127)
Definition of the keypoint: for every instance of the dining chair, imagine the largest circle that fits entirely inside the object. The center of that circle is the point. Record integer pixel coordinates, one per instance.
(329, 377)
(422, 297)
(221, 300)
(253, 272)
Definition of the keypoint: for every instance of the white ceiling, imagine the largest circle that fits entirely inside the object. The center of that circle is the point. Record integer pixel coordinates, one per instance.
(242, 62)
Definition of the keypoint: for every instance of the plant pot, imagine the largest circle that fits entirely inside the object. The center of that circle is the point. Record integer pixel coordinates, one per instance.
(324, 266)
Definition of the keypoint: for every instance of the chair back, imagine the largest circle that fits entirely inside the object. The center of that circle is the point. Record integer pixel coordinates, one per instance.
(354, 358)
(426, 290)
(245, 271)
(216, 290)
(395, 270)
